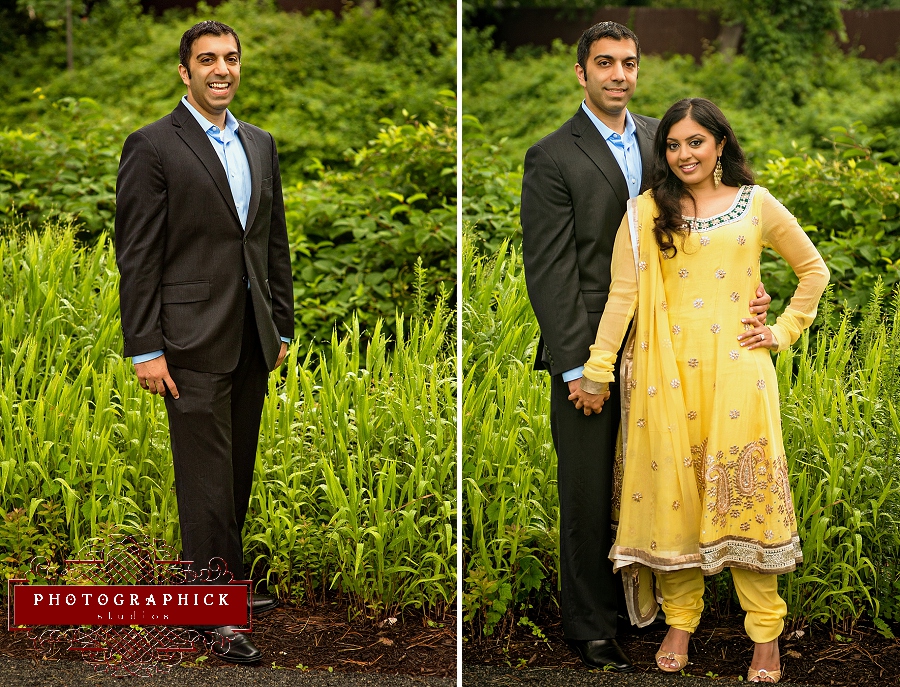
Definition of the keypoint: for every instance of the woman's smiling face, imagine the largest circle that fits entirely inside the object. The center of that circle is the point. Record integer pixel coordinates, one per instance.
(692, 152)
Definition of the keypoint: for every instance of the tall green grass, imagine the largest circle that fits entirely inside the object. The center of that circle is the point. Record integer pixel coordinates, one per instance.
(839, 392)
(355, 486)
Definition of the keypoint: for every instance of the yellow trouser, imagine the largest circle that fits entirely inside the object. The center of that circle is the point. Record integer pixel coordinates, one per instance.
(682, 593)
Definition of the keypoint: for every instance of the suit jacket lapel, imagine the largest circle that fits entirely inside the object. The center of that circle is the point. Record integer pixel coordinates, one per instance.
(252, 153)
(595, 147)
(645, 143)
(197, 140)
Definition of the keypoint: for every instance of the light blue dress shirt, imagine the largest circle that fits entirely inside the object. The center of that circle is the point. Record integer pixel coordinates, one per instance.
(233, 157)
(230, 150)
(625, 149)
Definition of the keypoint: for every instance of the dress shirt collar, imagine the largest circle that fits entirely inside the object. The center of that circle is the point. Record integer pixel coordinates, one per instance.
(604, 130)
(231, 123)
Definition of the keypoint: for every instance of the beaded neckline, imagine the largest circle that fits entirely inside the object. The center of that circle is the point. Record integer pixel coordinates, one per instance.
(738, 209)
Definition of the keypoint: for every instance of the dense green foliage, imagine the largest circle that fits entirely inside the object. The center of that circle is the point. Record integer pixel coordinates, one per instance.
(303, 77)
(370, 187)
(840, 417)
(357, 235)
(355, 484)
(525, 96)
(849, 204)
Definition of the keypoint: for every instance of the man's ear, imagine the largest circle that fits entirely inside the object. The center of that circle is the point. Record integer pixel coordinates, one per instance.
(579, 72)
(183, 73)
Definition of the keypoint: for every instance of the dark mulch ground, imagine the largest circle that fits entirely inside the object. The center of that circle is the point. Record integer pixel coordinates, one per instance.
(719, 648)
(321, 638)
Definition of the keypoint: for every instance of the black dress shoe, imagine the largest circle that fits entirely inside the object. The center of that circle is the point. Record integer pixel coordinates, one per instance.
(602, 654)
(231, 646)
(263, 603)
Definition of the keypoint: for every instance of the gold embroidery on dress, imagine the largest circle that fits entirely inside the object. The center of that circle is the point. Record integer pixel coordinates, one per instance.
(698, 454)
(747, 464)
(716, 474)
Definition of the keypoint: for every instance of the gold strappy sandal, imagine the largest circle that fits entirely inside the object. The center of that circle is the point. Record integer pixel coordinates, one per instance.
(681, 660)
(762, 675)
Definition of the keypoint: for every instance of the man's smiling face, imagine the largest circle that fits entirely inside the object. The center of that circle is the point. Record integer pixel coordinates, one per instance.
(214, 75)
(609, 76)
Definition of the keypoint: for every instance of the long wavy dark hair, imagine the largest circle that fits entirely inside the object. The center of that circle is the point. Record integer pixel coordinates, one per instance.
(668, 189)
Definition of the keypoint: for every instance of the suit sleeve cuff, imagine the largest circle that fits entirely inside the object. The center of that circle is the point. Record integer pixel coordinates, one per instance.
(144, 357)
(573, 374)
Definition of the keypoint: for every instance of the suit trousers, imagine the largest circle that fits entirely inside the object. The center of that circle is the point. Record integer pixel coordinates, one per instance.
(214, 430)
(591, 594)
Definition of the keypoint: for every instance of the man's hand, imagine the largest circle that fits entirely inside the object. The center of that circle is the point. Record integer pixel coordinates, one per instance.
(759, 307)
(590, 403)
(281, 355)
(153, 376)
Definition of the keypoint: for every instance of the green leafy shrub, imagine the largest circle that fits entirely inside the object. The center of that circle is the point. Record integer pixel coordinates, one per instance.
(358, 236)
(510, 532)
(65, 171)
(491, 192)
(849, 204)
(29, 537)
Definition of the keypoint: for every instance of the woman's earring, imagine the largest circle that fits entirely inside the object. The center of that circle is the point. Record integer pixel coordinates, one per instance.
(717, 173)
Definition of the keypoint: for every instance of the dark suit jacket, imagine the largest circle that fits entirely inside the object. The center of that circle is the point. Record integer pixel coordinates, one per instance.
(183, 256)
(573, 200)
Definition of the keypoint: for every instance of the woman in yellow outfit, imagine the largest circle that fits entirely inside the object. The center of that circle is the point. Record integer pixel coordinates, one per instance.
(705, 483)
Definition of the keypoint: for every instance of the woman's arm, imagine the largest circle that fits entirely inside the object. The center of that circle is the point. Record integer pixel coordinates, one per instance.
(620, 307)
(781, 231)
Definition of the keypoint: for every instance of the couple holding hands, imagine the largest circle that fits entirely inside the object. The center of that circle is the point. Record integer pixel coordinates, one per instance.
(650, 232)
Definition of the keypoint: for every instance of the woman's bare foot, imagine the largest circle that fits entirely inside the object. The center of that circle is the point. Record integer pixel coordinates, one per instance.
(766, 657)
(676, 642)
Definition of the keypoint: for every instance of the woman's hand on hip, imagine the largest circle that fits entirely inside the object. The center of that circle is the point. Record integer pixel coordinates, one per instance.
(759, 336)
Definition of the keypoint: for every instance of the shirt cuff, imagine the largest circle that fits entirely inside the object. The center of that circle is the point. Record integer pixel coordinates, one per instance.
(573, 374)
(285, 339)
(144, 357)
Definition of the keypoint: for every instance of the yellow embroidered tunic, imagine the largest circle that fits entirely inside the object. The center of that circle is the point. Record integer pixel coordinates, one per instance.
(705, 480)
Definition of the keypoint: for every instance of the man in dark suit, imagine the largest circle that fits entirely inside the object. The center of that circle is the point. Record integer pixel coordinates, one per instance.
(576, 184)
(206, 295)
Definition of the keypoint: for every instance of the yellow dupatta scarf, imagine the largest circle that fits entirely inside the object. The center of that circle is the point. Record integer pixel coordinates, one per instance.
(654, 469)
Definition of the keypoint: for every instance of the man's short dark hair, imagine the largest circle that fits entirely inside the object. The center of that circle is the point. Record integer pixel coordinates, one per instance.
(203, 28)
(605, 29)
